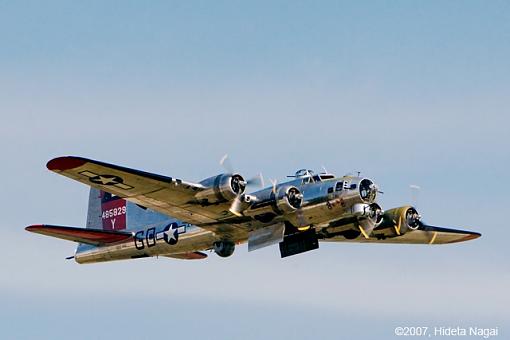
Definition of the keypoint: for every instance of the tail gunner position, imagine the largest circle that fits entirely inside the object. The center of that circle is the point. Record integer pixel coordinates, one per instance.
(134, 214)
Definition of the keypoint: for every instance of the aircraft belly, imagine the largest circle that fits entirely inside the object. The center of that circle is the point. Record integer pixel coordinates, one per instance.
(191, 242)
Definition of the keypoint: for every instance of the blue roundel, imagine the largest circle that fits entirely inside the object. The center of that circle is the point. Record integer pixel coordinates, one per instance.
(170, 234)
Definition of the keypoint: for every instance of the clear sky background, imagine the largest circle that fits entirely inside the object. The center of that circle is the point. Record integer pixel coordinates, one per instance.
(406, 92)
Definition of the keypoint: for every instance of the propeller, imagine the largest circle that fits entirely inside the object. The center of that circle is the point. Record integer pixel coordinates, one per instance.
(227, 164)
(376, 187)
(235, 207)
(415, 194)
(412, 217)
(273, 183)
(295, 198)
(257, 180)
(367, 225)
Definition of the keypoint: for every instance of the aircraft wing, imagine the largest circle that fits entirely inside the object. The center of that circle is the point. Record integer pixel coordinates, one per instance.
(428, 235)
(167, 195)
(93, 237)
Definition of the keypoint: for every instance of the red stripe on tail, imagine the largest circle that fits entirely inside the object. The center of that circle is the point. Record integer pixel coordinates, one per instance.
(113, 213)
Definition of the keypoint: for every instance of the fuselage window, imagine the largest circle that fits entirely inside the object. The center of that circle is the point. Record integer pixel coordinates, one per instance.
(339, 186)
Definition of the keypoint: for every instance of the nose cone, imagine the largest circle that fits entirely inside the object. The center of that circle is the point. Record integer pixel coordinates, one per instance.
(367, 190)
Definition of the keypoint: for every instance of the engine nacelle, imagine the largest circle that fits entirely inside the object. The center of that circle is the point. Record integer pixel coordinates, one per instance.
(398, 221)
(361, 215)
(367, 190)
(373, 212)
(221, 188)
(289, 199)
(285, 200)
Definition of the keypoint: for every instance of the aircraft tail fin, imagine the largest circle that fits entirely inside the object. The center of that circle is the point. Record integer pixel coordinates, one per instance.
(94, 210)
(106, 211)
(112, 213)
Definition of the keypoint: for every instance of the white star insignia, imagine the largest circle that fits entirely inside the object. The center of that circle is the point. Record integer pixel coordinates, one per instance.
(171, 234)
(106, 180)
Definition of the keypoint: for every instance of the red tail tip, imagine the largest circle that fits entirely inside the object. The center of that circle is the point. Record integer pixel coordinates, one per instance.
(64, 163)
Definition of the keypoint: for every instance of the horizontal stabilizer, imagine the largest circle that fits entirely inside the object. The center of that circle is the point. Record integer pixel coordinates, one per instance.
(93, 237)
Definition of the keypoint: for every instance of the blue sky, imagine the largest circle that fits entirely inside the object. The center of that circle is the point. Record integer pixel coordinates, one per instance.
(406, 92)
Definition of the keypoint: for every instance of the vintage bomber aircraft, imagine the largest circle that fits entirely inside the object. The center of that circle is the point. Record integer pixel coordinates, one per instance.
(134, 214)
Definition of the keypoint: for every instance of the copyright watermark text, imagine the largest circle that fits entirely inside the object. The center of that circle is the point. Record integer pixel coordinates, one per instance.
(446, 331)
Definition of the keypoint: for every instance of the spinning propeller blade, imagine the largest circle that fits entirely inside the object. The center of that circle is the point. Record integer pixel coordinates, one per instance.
(273, 182)
(258, 180)
(226, 164)
(235, 207)
(415, 194)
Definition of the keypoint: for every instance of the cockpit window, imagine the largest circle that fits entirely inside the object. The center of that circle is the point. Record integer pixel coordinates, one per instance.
(339, 186)
(309, 177)
(323, 177)
(303, 172)
(306, 180)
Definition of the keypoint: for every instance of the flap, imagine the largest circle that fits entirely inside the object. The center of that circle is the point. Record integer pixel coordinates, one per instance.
(266, 236)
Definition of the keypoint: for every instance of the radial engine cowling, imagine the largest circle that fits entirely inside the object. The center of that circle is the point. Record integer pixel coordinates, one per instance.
(283, 200)
(221, 188)
(289, 199)
(398, 221)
